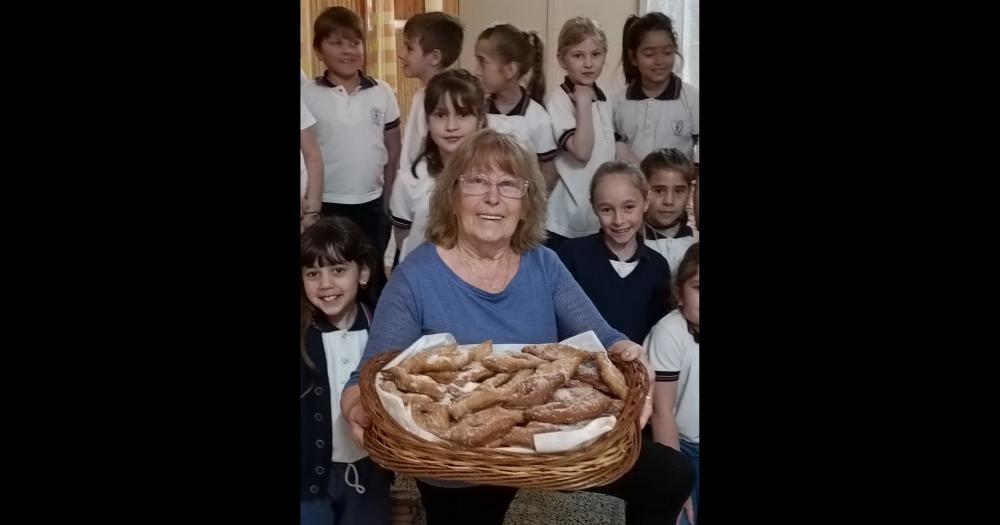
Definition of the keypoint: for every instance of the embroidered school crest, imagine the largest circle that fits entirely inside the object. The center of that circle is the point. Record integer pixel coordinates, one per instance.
(377, 116)
(677, 126)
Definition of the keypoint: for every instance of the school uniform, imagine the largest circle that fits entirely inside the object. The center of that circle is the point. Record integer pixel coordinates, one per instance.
(528, 121)
(306, 120)
(569, 213)
(415, 132)
(350, 130)
(671, 243)
(674, 353)
(336, 476)
(668, 120)
(409, 205)
(631, 295)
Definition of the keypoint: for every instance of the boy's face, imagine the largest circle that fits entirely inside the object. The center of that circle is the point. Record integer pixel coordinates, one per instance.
(342, 52)
(415, 62)
(668, 197)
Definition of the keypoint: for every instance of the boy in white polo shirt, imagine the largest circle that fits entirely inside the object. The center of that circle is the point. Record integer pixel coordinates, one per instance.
(431, 43)
(357, 126)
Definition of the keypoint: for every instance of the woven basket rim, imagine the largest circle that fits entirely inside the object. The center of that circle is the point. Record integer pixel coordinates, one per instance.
(598, 464)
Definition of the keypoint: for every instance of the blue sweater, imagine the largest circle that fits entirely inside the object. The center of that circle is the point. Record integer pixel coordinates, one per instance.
(542, 304)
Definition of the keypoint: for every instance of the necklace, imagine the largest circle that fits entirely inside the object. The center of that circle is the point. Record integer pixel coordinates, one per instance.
(490, 282)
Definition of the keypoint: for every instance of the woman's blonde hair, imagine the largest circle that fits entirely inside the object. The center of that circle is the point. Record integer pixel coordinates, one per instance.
(577, 29)
(480, 152)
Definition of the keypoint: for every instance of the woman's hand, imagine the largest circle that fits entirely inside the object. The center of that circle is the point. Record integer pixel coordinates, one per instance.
(354, 412)
(359, 422)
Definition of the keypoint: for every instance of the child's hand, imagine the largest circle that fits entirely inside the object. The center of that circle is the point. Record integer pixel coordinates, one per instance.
(308, 220)
(689, 510)
(582, 93)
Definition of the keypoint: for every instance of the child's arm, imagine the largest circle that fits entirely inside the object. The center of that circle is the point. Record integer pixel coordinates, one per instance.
(314, 170)
(664, 355)
(392, 144)
(664, 424)
(581, 143)
(547, 149)
(400, 214)
(401, 234)
(624, 152)
(548, 168)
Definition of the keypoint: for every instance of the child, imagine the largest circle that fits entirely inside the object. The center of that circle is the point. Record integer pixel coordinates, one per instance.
(673, 352)
(454, 109)
(339, 483)
(310, 169)
(656, 109)
(671, 176)
(625, 279)
(504, 54)
(583, 127)
(357, 125)
(432, 42)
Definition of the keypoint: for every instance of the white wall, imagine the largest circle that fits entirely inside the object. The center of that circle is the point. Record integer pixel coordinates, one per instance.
(547, 17)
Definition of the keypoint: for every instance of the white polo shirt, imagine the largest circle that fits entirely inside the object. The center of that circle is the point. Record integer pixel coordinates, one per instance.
(672, 246)
(668, 120)
(569, 213)
(527, 121)
(674, 354)
(409, 205)
(415, 131)
(350, 128)
(306, 120)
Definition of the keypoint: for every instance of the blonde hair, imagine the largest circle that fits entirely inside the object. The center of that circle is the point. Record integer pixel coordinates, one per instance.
(578, 29)
(482, 151)
(619, 167)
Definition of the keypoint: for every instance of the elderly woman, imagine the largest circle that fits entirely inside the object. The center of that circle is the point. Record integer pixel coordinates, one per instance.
(485, 275)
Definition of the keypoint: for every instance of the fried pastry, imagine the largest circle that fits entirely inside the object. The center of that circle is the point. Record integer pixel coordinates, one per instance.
(554, 351)
(534, 390)
(570, 405)
(415, 383)
(564, 365)
(441, 359)
(612, 377)
(484, 426)
(432, 417)
(511, 362)
(588, 373)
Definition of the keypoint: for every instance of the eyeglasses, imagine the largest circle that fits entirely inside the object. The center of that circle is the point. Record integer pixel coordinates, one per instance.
(479, 185)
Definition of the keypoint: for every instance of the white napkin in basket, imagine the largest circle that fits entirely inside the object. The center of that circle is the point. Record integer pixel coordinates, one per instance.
(548, 442)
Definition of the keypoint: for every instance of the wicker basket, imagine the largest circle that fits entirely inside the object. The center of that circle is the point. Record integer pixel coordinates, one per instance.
(602, 462)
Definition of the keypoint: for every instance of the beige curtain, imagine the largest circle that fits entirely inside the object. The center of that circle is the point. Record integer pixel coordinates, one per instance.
(381, 41)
